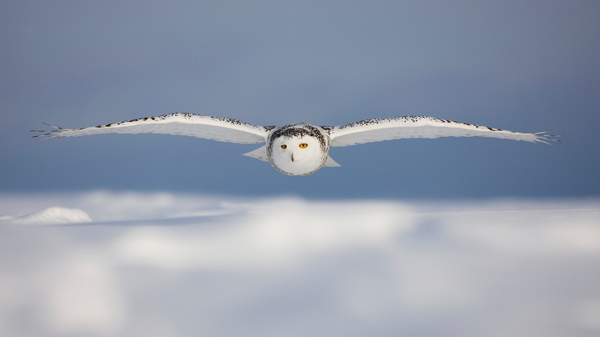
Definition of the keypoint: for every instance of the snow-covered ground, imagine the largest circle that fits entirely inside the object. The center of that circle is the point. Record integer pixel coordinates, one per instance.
(161, 264)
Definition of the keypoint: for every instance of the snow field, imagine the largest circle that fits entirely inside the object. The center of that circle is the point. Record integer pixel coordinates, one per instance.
(161, 264)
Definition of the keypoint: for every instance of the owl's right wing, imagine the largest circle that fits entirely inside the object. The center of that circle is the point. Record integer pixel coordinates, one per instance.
(380, 129)
(186, 124)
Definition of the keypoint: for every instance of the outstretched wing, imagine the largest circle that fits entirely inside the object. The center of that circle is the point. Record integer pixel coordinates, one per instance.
(186, 124)
(379, 129)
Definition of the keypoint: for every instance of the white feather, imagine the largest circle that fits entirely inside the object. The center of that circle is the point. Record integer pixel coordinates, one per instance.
(260, 154)
(331, 163)
(216, 128)
(380, 129)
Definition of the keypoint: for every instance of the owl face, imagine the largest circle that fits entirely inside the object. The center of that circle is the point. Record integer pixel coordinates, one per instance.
(298, 153)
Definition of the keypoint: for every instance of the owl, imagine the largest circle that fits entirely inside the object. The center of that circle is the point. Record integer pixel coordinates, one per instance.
(297, 149)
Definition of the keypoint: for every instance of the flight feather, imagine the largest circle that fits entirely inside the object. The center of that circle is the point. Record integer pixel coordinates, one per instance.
(186, 124)
(380, 129)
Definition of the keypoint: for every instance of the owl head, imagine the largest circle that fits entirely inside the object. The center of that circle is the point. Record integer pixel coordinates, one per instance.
(298, 149)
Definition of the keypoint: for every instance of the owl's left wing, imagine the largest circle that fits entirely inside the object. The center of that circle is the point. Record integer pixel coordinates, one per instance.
(379, 129)
(185, 124)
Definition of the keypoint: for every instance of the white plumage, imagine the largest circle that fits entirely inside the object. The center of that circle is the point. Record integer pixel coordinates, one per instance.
(298, 149)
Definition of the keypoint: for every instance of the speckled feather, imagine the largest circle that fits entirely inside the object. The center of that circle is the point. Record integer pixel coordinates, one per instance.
(302, 132)
(299, 130)
(186, 124)
(380, 129)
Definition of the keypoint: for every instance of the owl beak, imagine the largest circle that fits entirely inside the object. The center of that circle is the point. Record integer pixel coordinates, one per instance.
(292, 157)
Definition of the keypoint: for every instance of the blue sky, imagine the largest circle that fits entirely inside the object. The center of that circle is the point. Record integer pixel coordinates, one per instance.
(518, 65)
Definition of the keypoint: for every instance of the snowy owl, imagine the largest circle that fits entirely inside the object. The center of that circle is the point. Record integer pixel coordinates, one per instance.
(297, 149)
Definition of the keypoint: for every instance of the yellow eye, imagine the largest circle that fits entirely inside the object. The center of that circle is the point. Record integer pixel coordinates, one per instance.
(303, 145)
(284, 146)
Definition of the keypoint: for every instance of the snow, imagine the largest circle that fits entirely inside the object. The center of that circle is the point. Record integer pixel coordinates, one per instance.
(162, 264)
(51, 216)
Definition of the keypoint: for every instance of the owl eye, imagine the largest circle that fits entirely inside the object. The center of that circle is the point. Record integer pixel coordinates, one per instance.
(284, 146)
(303, 145)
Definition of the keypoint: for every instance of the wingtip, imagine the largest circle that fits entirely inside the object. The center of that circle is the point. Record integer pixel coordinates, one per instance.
(544, 137)
(52, 126)
(48, 133)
